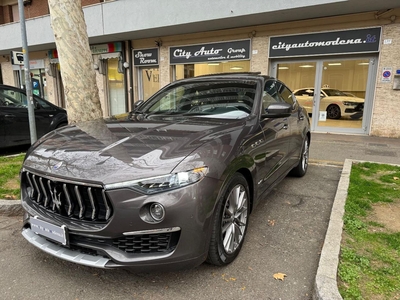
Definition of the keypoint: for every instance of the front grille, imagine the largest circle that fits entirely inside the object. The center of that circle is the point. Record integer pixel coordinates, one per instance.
(82, 202)
(359, 107)
(136, 244)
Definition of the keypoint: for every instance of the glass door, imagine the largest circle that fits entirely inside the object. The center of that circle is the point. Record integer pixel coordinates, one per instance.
(337, 93)
(300, 78)
(116, 88)
(342, 94)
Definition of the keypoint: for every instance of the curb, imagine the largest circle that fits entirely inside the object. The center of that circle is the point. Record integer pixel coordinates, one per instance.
(325, 281)
(11, 208)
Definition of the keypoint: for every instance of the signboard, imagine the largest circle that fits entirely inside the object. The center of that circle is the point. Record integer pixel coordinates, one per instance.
(386, 75)
(214, 52)
(145, 57)
(326, 43)
(17, 58)
(106, 48)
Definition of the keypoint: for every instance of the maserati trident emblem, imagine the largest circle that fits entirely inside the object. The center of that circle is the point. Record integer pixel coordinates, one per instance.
(57, 166)
(56, 197)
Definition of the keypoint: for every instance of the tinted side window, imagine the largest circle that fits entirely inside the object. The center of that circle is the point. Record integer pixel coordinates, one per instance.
(270, 94)
(42, 103)
(12, 98)
(285, 93)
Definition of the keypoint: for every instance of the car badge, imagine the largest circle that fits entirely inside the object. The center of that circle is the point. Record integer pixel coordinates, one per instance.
(56, 197)
(57, 166)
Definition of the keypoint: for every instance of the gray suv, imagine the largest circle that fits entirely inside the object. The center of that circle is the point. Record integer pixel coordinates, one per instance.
(171, 186)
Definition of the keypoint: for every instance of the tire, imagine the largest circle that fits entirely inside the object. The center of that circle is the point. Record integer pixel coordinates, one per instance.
(230, 222)
(333, 112)
(301, 169)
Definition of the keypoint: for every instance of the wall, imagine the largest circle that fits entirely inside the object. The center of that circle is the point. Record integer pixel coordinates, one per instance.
(36, 9)
(386, 115)
(6, 70)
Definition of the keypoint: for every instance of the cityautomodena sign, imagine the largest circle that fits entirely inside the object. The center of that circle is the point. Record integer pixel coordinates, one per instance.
(326, 43)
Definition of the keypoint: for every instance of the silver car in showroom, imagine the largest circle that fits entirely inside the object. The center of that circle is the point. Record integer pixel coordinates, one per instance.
(173, 184)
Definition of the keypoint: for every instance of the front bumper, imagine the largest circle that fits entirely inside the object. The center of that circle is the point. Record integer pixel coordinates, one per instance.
(355, 111)
(179, 241)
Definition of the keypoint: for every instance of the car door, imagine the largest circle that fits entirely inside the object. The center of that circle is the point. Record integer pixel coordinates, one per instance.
(275, 145)
(295, 123)
(14, 117)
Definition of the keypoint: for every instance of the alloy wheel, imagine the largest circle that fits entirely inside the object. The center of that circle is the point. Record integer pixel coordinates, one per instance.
(234, 219)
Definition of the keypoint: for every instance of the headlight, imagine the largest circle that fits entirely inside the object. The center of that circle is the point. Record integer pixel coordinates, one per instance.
(162, 183)
(347, 103)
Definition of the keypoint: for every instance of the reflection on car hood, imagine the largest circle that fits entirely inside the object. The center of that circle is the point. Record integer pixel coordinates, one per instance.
(349, 99)
(110, 152)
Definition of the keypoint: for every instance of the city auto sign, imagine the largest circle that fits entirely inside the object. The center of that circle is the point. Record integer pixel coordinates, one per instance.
(213, 52)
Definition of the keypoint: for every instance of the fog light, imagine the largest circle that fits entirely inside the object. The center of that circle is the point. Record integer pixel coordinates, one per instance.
(157, 212)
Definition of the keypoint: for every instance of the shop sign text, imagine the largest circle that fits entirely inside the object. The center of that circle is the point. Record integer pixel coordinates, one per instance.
(236, 50)
(145, 57)
(335, 42)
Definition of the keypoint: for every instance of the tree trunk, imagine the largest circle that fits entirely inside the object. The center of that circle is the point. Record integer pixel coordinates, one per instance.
(76, 62)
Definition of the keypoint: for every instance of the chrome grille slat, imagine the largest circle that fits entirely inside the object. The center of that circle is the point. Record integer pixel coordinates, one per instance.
(89, 190)
(108, 209)
(79, 198)
(37, 189)
(68, 199)
(32, 190)
(50, 189)
(46, 198)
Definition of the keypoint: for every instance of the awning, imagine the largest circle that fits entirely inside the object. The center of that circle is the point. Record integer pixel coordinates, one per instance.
(110, 55)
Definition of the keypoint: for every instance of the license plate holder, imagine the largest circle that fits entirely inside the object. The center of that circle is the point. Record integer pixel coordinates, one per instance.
(53, 232)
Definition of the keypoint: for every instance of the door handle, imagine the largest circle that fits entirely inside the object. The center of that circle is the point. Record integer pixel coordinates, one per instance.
(9, 116)
(301, 117)
(285, 126)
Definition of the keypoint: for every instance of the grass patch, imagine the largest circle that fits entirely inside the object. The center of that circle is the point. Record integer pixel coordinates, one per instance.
(9, 176)
(369, 266)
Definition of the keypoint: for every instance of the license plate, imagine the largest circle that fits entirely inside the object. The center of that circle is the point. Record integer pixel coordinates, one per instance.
(51, 231)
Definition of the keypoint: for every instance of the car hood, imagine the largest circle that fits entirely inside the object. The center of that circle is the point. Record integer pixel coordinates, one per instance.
(109, 151)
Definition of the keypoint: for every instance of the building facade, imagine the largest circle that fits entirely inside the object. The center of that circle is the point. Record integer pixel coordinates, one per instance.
(317, 47)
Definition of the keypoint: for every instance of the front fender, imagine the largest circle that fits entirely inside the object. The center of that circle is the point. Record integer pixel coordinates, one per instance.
(58, 119)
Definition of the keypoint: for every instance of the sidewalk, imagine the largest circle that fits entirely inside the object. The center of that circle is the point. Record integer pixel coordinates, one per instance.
(335, 148)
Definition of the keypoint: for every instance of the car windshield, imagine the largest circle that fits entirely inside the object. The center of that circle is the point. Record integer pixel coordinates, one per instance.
(231, 99)
(333, 92)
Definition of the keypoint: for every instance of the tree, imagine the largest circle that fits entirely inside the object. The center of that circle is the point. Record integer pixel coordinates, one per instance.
(76, 62)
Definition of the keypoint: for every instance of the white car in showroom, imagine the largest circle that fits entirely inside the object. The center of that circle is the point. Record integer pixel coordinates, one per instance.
(336, 103)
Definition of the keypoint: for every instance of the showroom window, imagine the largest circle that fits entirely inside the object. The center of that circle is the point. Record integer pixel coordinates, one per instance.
(332, 77)
(193, 70)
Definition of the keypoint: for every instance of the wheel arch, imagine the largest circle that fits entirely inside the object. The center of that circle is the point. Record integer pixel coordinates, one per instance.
(249, 178)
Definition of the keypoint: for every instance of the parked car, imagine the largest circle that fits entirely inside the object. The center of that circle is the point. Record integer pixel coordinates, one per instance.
(171, 186)
(14, 122)
(336, 103)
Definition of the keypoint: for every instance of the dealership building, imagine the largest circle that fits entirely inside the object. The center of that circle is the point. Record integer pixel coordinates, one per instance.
(314, 46)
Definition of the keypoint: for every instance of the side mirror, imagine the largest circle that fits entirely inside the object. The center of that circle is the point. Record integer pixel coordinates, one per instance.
(278, 110)
(136, 106)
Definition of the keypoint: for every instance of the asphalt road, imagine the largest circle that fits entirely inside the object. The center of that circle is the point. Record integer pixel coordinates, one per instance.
(285, 235)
